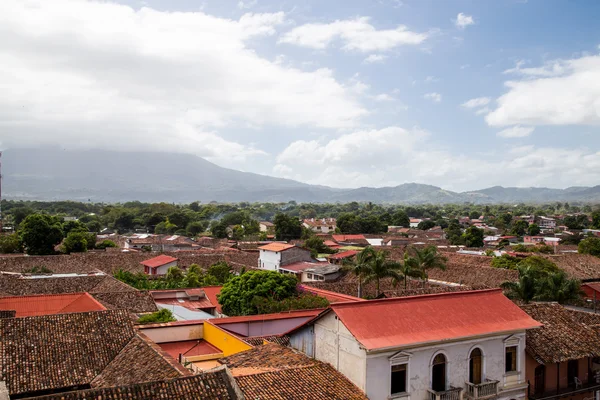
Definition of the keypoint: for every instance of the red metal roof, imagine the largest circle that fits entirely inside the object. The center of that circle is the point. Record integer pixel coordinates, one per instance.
(333, 297)
(406, 321)
(189, 348)
(343, 254)
(345, 238)
(211, 293)
(331, 243)
(276, 247)
(29, 306)
(267, 317)
(158, 261)
(299, 266)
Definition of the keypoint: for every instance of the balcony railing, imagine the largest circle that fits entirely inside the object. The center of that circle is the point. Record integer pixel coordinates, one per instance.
(483, 390)
(566, 392)
(451, 394)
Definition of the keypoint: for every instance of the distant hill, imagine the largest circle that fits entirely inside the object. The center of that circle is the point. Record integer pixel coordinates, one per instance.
(110, 176)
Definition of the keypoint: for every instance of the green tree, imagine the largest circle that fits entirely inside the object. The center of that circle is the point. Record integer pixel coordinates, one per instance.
(400, 219)
(505, 262)
(411, 268)
(360, 266)
(221, 271)
(238, 294)
(10, 244)
(40, 233)
(195, 228)
(157, 317)
(519, 228)
(576, 221)
(425, 224)
(287, 227)
(426, 259)
(454, 233)
(106, 243)
(316, 246)
(590, 245)
(525, 288)
(381, 267)
(596, 220)
(76, 242)
(473, 237)
(533, 230)
(558, 287)
(174, 274)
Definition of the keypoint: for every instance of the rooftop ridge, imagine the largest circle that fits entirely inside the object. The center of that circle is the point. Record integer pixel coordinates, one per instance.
(415, 297)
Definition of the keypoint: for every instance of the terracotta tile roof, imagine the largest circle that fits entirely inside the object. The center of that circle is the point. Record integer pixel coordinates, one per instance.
(139, 361)
(277, 247)
(343, 254)
(274, 372)
(214, 385)
(580, 266)
(404, 321)
(318, 382)
(348, 238)
(158, 261)
(331, 243)
(590, 319)
(136, 302)
(282, 340)
(27, 306)
(65, 350)
(299, 266)
(17, 285)
(562, 337)
(268, 357)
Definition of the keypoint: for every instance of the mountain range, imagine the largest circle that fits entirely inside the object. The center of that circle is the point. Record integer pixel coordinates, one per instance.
(113, 176)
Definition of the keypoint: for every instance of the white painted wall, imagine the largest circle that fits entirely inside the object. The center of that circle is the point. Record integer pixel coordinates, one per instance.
(335, 345)
(269, 260)
(162, 270)
(378, 379)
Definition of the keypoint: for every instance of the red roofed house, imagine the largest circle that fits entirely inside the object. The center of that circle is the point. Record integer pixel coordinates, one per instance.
(445, 346)
(46, 304)
(274, 255)
(159, 264)
(321, 225)
(351, 239)
(338, 258)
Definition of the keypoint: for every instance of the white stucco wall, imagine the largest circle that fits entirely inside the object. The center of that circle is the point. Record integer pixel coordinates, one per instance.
(378, 375)
(269, 260)
(335, 345)
(174, 333)
(162, 270)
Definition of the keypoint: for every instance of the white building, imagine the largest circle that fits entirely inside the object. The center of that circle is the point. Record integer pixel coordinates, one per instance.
(320, 225)
(447, 346)
(274, 255)
(546, 223)
(159, 265)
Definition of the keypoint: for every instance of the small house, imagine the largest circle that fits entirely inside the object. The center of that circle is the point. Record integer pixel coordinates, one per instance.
(159, 265)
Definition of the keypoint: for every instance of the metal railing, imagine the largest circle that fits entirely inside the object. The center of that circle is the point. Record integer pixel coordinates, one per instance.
(453, 393)
(483, 390)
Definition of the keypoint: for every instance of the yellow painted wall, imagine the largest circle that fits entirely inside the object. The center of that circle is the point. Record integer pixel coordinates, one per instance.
(223, 340)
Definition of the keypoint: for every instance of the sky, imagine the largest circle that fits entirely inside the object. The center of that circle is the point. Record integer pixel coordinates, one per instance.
(461, 94)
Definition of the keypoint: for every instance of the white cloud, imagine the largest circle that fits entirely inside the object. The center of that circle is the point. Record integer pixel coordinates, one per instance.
(549, 95)
(392, 155)
(375, 58)
(355, 34)
(476, 102)
(462, 21)
(83, 73)
(383, 97)
(431, 79)
(554, 68)
(482, 111)
(435, 97)
(246, 4)
(516, 132)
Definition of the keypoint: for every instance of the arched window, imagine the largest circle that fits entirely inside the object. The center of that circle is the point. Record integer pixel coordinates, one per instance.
(475, 366)
(438, 373)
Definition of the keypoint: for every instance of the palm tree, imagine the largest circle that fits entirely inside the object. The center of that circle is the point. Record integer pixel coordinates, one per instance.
(525, 289)
(558, 287)
(360, 265)
(411, 268)
(427, 258)
(380, 267)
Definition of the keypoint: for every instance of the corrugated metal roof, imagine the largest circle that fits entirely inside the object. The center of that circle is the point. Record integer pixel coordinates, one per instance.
(406, 321)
